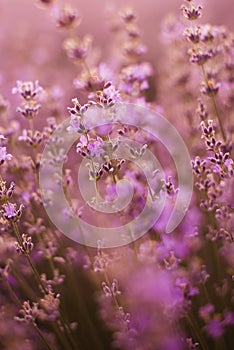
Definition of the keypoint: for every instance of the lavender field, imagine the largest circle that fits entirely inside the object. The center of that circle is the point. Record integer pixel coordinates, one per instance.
(116, 175)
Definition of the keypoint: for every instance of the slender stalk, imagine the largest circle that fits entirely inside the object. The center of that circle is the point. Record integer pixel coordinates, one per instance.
(83, 309)
(42, 336)
(61, 337)
(24, 284)
(12, 293)
(31, 124)
(212, 97)
(65, 325)
(34, 269)
(215, 106)
(206, 293)
(69, 331)
(198, 335)
(18, 303)
(114, 178)
(36, 274)
(16, 232)
(134, 244)
(86, 68)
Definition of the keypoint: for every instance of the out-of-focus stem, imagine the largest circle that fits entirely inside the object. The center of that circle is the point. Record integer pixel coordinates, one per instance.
(38, 278)
(24, 283)
(82, 307)
(69, 331)
(34, 269)
(36, 274)
(31, 124)
(61, 337)
(42, 336)
(18, 303)
(194, 327)
(86, 67)
(12, 293)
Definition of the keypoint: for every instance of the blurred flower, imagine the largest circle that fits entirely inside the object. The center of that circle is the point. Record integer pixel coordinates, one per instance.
(4, 155)
(28, 313)
(77, 49)
(66, 17)
(192, 12)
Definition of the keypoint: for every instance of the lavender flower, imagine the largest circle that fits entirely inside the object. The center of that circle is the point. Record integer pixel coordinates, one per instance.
(77, 49)
(28, 313)
(10, 212)
(28, 90)
(27, 245)
(49, 307)
(191, 12)
(4, 155)
(66, 17)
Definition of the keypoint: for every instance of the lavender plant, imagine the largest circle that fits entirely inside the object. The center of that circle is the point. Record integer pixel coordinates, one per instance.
(164, 291)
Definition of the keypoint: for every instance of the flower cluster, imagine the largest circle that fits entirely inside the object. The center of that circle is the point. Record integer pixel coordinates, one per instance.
(29, 91)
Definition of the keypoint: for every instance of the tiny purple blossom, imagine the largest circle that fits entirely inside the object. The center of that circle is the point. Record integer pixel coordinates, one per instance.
(95, 147)
(229, 164)
(28, 90)
(10, 211)
(83, 143)
(228, 318)
(112, 93)
(74, 126)
(206, 311)
(214, 328)
(4, 155)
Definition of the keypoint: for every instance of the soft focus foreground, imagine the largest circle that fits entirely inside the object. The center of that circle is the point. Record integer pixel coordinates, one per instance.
(163, 291)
